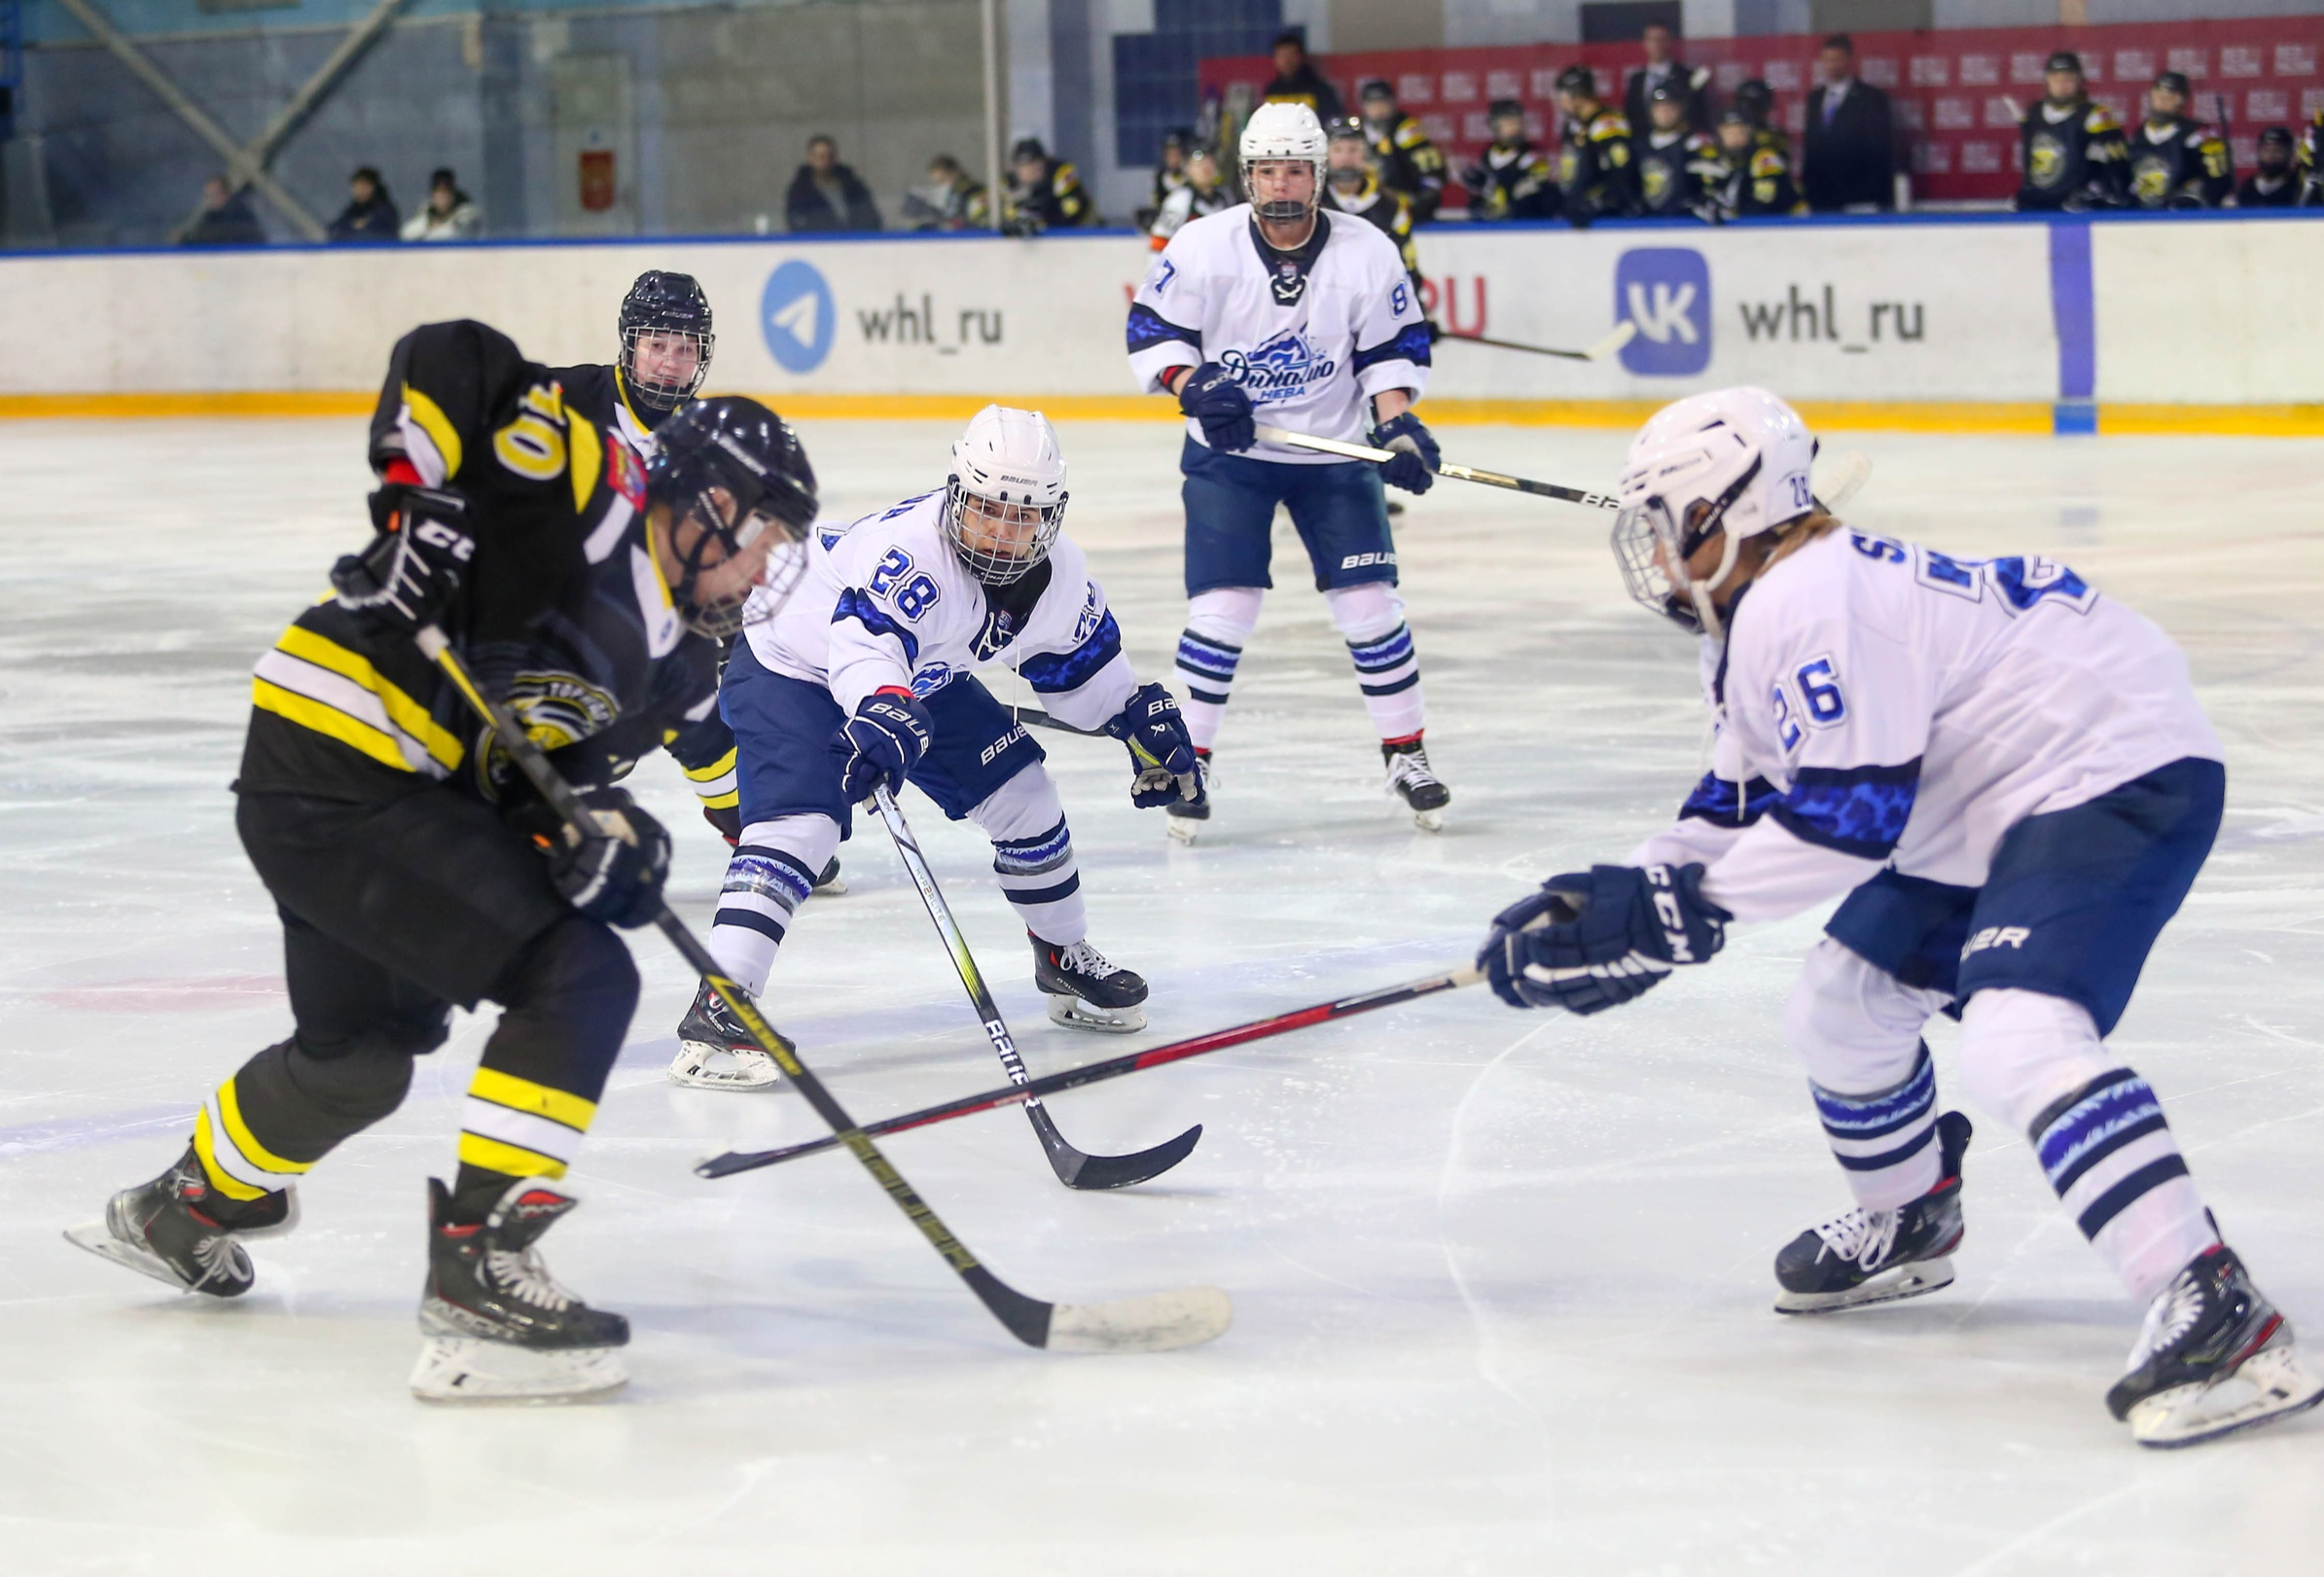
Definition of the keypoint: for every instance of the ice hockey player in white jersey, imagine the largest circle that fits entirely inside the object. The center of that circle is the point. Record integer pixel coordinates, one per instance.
(862, 677)
(1273, 310)
(2009, 776)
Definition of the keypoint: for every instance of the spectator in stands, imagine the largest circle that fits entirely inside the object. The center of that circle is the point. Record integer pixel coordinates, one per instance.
(1045, 193)
(1662, 65)
(1202, 194)
(1511, 178)
(1298, 81)
(2177, 161)
(2072, 151)
(451, 214)
(952, 199)
(369, 215)
(1851, 136)
(2276, 184)
(826, 196)
(225, 219)
(1406, 159)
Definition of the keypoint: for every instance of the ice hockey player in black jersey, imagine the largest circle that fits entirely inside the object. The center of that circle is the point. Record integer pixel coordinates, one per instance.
(1354, 185)
(1597, 174)
(1674, 158)
(2311, 164)
(2275, 183)
(1750, 175)
(415, 869)
(1407, 161)
(664, 332)
(2176, 163)
(1511, 179)
(1044, 193)
(2072, 150)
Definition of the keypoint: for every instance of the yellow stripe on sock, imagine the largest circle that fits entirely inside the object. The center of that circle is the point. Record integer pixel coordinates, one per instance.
(525, 1096)
(716, 769)
(206, 1145)
(493, 1156)
(246, 1143)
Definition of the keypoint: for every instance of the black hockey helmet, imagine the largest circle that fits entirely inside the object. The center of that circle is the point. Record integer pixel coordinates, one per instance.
(738, 446)
(2175, 82)
(665, 304)
(2063, 61)
(1027, 149)
(2276, 136)
(1755, 99)
(1347, 129)
(1579, 80)
(1180, 137)
(1665, 91)
(1502, 109)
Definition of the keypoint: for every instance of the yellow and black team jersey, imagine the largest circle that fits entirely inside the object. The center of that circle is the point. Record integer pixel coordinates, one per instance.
(600, 393)
(1754, 183)
(2073, 156)
(562, 613)
(2179, 164)
(1055, 202)
(1409, 164)
(1595, 169)
(1676, 170)
(1391, 213)
(1512, 180)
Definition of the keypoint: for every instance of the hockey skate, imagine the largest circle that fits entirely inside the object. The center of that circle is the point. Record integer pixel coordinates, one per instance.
(1085, 991)
(1187, 815)
(2213, 1358)
(716, 1053)
(1878, 1256)
(494, 1324)
(180, 1230)
(831, 884)
(1409, 780)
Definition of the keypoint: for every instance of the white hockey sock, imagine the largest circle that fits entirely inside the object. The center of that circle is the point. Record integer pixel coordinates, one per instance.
(2096, 1128)
(1032, 854)
(1856, 1028)
(1379, 643)
(1885, 1140)
(1218, 623)
(768, 876)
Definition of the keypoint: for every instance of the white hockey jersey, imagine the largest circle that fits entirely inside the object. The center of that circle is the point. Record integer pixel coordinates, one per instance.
(1310, 336)
(886, 601)
(1880, 702)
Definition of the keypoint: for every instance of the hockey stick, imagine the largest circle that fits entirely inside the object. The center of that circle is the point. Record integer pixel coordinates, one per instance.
(1623, 332)
(1179, 1050)
(1152, 1323)
(1845, 478)
(1075, 1168)
(1459, 473)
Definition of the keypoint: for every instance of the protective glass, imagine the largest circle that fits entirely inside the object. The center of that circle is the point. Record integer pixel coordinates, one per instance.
(1007, 539)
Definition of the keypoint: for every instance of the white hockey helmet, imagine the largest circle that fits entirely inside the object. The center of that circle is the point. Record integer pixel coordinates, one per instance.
(1733, 461)
(1010, 463)
(1285, 131)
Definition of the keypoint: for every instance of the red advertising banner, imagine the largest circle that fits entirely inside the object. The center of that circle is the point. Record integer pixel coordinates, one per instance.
(1957, 93)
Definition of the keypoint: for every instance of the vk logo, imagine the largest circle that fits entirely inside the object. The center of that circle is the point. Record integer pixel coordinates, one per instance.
(1666, 291)
(797, 317)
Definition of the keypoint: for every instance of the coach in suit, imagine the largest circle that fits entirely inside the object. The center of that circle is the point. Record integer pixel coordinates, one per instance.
(1852, 136)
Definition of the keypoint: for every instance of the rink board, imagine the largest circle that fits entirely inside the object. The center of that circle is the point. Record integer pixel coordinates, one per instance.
(1985, 323)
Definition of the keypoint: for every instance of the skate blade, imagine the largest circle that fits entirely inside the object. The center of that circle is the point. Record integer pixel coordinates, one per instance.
(466, 1369)
(1429, 821)
(1075, 1013)
(1907, 1281)
(836, 887)
(96, 1237)
(2267, 1386)
(1156, 1323)
(697, 1066)
(1183, 830)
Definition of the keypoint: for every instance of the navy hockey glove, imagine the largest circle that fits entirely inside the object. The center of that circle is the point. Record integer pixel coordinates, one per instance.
(615, 874)
(1415, 449)
(884, 739)
(1594, 940)
(1160, 752)
(412, 571)
(1210, 395)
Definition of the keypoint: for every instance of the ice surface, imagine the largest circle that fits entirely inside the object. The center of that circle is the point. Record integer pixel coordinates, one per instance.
(1501, 1282)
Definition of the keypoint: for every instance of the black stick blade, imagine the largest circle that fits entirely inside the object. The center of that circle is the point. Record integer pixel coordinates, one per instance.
(1077, 1169)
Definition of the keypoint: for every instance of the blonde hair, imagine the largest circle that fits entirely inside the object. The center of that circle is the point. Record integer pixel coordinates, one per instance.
(1794, 535)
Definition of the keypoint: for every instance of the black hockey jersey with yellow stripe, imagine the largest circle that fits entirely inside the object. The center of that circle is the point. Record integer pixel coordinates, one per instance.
(562, 612)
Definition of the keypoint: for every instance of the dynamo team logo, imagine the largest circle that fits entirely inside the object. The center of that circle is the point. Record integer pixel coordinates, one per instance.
(797, 316)
(1666, 291)
(1281, 369)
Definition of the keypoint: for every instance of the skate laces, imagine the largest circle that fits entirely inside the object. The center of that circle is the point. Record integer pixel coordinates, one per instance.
(520, 1272)
(216, 1256)
(1862, 1236)
(1080, 959)
(1410, 766)
(2169, 1318)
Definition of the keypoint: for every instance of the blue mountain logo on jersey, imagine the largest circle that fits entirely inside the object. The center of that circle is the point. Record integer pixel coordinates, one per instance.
(1666, 291)
(1280, 369)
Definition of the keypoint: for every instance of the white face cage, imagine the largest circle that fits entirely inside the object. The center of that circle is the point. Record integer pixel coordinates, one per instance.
(723, 617)
(651, 385)
(1652, 545)
(985, 561)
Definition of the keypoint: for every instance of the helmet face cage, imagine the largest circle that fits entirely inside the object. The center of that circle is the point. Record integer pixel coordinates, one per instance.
(736, 528)
(736, 470)
(672, 304)
(999, 568)
(1652, 545)
(660, 393)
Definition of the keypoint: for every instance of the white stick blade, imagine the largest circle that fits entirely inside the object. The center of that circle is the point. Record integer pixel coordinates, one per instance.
(1623, 332)
(1844, 478)
(1155, 1323)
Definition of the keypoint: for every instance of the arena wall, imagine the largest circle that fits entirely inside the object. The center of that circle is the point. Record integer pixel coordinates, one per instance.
(1992, 324)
